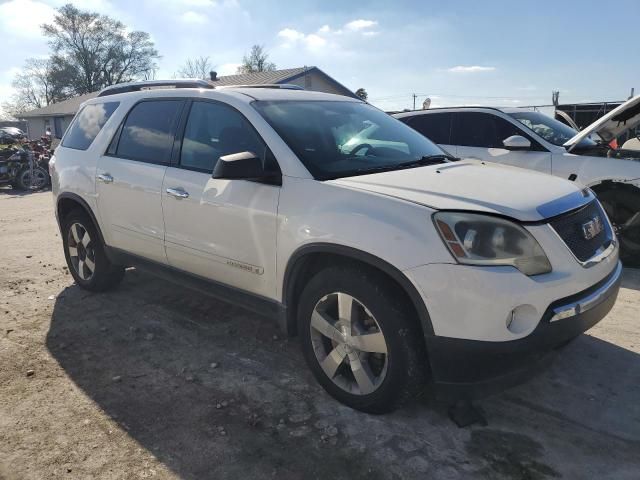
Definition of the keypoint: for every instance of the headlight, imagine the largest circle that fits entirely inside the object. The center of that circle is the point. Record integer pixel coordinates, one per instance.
(476, 239)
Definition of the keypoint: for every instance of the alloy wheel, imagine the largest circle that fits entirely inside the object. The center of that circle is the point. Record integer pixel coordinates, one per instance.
(348, 343)
(81, 252)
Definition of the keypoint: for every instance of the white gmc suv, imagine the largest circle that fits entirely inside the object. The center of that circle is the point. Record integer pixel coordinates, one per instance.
(393, 263)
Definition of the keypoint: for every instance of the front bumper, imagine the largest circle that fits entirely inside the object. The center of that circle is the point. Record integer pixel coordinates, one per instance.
(463, 368)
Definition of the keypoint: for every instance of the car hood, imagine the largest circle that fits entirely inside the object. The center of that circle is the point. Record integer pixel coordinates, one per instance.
(472, 185)
(612, 125)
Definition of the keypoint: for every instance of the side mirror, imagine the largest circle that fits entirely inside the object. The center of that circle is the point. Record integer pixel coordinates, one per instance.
(244, 166)
(516, 142)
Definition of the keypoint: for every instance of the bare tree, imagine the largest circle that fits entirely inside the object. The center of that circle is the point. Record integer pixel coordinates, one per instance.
(256, 61)
(198, 67)
(98, 49)
(37, 85)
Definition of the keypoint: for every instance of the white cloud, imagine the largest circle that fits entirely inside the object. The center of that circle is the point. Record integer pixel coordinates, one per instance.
(315, 41)
(194, 17)
(311, 41)
(360, 24)
(291, 35)
(22, 18)
(470, 69)
(227, 69)
(325, 36)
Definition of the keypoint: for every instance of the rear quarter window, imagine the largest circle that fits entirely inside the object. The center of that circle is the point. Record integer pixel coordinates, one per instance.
(435, 126)
(87, 124)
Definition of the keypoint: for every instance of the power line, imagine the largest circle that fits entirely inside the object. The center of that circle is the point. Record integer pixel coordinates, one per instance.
(489, 97)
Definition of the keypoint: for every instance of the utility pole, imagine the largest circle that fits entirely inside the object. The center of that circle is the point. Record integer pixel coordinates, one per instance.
(414, 101)
(633, 91)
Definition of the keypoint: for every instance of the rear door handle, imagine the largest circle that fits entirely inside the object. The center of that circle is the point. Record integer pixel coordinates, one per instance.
(177, 193)
(105, 177)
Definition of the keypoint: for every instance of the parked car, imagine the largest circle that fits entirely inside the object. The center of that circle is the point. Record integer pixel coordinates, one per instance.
(6, 138)
(392, 262)
(12, 132)
(530, 139)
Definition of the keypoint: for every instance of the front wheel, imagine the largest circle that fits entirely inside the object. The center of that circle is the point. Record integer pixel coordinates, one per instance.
(359, 339)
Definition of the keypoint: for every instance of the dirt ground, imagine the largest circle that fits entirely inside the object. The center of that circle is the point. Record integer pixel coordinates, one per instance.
(155, 381)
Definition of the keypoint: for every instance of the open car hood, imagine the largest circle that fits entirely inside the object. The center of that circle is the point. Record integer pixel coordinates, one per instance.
(612, 125)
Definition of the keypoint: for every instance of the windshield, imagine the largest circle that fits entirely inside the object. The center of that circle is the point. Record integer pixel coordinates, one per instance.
(336, 139)
(549, 128)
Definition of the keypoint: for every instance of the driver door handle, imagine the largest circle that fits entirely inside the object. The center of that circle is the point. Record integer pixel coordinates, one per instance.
(105, 178)
(177, 193)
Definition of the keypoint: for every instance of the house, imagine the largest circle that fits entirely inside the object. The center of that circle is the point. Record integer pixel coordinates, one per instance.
(58, 116)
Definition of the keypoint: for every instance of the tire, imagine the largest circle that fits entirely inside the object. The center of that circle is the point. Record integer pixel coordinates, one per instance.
(86, 257)
(41, 177)
(381, 381)
(622, 206)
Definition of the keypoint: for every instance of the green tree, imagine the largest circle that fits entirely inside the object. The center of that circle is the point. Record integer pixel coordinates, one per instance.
(96, 50)
(362, 94)
(256, 61)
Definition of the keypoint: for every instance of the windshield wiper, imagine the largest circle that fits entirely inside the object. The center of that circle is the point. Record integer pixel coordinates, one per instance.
(420, 162)
(427, 160)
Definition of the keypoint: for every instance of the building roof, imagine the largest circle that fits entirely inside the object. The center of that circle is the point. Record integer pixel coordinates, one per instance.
(60, 109)
(71, 106)
(256, 78)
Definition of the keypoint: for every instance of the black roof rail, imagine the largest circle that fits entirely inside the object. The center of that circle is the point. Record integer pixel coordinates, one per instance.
(418, 110)
(153, 84)
(283, 86)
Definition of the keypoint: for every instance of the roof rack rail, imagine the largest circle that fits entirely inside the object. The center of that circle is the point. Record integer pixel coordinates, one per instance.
(153, 84)
(282, 86)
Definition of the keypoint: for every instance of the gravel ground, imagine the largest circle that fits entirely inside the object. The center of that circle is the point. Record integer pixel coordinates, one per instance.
(155, 381)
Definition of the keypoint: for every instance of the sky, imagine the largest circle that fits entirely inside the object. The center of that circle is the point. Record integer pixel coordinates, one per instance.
(502, 53)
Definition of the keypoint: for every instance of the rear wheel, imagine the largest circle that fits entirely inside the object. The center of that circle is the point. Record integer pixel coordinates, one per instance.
(85, 254)
(360, 341)
(623, 209)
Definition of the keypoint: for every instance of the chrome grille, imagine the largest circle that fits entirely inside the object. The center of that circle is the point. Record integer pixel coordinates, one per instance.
(571, 228)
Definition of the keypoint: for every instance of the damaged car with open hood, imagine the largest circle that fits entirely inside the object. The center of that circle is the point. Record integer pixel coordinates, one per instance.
(533, 140)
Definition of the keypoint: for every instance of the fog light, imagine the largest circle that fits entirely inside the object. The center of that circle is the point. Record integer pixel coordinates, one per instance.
(522, 319)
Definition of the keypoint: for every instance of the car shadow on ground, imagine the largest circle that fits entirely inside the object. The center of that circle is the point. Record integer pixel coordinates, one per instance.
(215, 392)
(631, 278)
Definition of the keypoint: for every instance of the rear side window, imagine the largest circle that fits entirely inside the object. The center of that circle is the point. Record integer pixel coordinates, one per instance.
(214, 130)
(435, 126)
(148, 132)
(476, 129)
(87, 124)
